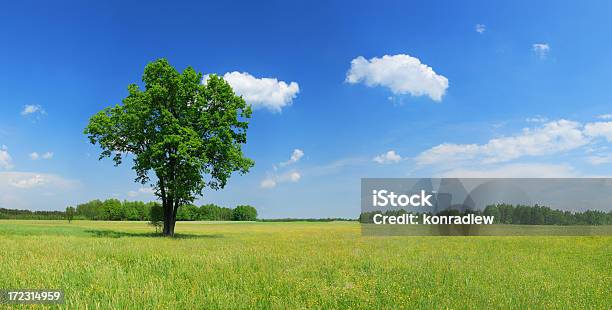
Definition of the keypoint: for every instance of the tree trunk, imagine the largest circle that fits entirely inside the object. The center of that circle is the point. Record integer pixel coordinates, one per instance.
(169, 220)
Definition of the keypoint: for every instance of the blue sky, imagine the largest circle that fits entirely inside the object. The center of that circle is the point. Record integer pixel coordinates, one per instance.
(341, 91)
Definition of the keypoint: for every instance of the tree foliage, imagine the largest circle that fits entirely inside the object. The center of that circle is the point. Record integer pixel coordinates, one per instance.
(188, 133)
(244, 213)
(70, 212)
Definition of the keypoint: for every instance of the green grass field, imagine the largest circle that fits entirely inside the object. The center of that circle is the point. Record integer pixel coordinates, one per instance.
(300, 265)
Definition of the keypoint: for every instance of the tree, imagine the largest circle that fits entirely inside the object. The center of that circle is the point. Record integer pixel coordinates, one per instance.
(244, 213)
(113, 209)
(70, 214)
(209, 212)
(187, 212)
(188, 133)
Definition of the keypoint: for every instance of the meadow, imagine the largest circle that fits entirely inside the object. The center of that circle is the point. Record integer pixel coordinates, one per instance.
(122, 265)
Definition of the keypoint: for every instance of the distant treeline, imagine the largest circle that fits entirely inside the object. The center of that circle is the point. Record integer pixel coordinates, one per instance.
(116, 210)
(519, 215)
(541, 215)
(31, 215)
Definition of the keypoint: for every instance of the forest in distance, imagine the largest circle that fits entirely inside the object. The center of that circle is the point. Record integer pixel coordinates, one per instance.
(116, 210)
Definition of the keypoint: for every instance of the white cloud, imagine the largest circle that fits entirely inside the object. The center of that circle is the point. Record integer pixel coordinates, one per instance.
(27, 180)
(36, 156)
(269, 93)
(5, 158)
(268, 183)
(604, 116)
(552, 137)
(481, 28)
(294, 176)
(32, 109)
(272, 180)
(402, 74)
(599, 129)
(37, 191)
(141, 191)
(541, 49)
(448, 152)
(387, 158)
(514, 171)
(295, 157)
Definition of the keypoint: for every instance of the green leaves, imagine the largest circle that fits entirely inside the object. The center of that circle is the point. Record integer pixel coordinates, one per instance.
(188, 133)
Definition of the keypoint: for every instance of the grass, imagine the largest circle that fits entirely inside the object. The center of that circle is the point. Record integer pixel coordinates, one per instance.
(300, 265)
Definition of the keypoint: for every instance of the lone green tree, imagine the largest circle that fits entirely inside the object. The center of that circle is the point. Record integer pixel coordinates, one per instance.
(70, 211)
(188, 133)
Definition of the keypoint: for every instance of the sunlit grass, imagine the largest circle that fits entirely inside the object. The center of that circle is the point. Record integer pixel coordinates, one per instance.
(300, 265)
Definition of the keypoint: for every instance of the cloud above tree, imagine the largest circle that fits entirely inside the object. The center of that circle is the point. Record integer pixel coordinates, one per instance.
(262, 93)
(402, 74)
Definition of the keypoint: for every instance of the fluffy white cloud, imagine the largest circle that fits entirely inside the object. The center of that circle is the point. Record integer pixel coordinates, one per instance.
(541, 49)
(5, 158)
(599, 129)
(402, 74)
(32, 109)
(269, 93)
(552, 137)
(481, 28)
(295, 157)
(387, 158)
(275, 179)
(36, 156)
(514, 171)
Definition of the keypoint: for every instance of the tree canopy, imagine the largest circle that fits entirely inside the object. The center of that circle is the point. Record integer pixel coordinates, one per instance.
(189, 133)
